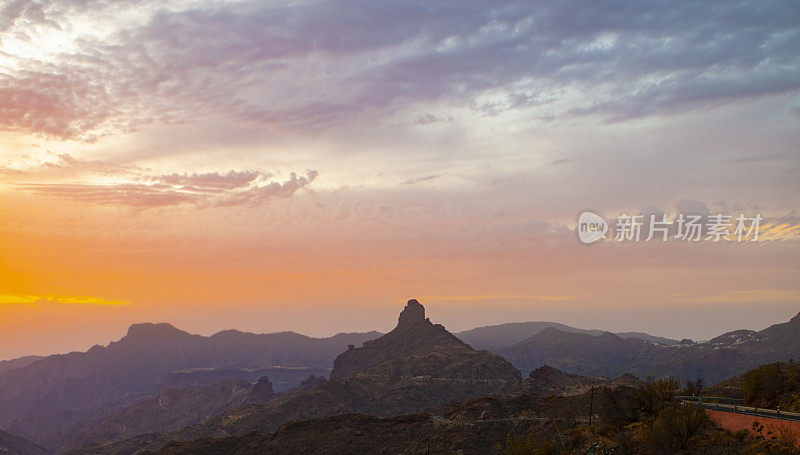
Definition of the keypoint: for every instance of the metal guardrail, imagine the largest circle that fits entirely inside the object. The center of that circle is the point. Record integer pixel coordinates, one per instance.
(735, 406)
(710, 399)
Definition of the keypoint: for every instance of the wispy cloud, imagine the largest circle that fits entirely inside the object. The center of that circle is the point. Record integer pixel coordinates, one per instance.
(747, 296)
(241, 59)
(138, 187)
(499, 297)
(412, 181)
(162, 193)
(34, 300)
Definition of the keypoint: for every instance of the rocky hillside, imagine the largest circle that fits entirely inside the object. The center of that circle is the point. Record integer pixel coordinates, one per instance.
(362, 434)
(547, 381)
(481, 425)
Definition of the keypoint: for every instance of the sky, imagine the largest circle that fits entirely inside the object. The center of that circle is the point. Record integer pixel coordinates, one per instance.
(310, 166)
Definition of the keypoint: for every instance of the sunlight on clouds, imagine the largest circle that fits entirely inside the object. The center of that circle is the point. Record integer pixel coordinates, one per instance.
(747, 296)
(459, 298)
(779, 231)
(33, 300)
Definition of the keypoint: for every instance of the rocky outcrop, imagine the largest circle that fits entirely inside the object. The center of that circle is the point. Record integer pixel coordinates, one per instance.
(417, 347)
(547, 381)
(262, 390)
(412, 314)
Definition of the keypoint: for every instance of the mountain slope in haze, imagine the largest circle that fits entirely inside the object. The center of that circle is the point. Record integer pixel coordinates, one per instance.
(416, 367)
(497, 337)
(610, 355)
(40, 400)
(19, 362)
(172, 409)
(14, 445)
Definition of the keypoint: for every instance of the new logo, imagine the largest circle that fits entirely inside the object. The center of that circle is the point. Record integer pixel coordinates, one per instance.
(591, 227)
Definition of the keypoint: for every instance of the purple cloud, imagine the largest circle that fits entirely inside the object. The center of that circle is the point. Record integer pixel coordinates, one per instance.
(321, 64)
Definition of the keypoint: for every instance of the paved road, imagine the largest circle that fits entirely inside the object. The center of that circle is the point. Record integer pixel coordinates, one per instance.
(760, 412)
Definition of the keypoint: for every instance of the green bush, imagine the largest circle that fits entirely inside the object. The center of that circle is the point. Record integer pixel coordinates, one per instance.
(773, 385)
(655, 395)
(675, 426)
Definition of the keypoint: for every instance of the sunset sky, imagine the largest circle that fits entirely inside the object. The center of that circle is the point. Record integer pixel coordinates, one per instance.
(309, 166)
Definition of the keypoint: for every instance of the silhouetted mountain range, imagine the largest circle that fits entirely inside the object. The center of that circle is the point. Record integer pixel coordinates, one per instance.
(159, 383)
(40, 400)
(19, 362)
(497, 337)
(611, 355)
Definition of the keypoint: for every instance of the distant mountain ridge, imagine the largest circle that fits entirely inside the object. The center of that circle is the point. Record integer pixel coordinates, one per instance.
(19, 362)
(611, 355)
(41, 399)
(501, 336)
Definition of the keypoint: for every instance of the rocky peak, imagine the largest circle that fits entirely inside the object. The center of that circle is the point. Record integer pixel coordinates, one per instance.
(262, 390)
(418, 347)
(149, 330)
(412, 314)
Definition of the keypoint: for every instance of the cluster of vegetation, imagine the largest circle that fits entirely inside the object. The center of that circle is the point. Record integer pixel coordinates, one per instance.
(653, 422)
(773, 386)
(694, 388)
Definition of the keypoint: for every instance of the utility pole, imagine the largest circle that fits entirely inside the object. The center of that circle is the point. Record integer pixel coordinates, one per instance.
(591, 404)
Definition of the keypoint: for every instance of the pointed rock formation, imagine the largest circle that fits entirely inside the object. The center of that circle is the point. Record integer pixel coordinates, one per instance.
(417, 347)
(262, 390)
(412, 314)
